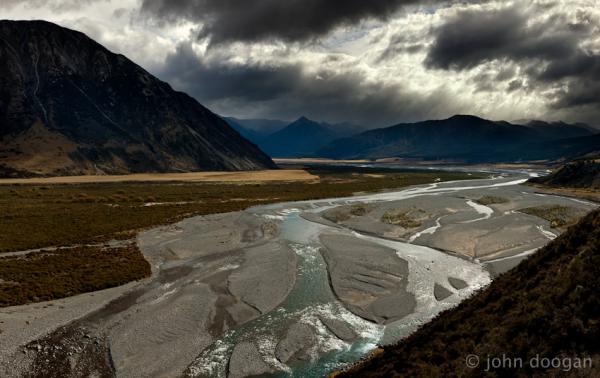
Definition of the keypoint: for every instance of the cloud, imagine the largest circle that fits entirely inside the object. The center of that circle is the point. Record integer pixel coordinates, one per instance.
(54, 5)
(375, 62)
(474, 37)
(400, 44)
(215, 80)
(547, 44)
(289, 20)
(332, 92)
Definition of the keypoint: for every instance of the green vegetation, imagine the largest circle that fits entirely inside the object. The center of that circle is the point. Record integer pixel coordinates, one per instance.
(491, 200)
(546, 306)
(558, 216)
(53, 274)
(79, 216)
(400, 218)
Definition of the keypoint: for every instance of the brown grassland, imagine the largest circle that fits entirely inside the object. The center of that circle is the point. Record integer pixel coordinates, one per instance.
(52, 274)
(491, 200)
(88, 215)
(558, 216)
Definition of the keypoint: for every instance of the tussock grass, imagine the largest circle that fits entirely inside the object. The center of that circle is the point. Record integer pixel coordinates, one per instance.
(53, 274)
(558, 216)
(491, 200)
(400, 218)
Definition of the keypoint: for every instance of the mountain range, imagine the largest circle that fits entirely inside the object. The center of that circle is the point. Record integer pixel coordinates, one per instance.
(468, 139)
(70, 106)
(301, 138)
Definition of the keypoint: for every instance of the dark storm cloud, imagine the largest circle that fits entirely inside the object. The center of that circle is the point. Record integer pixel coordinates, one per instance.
(475, 37)
(548, 50)
(288, 90)
(221, 80)
(288, 20)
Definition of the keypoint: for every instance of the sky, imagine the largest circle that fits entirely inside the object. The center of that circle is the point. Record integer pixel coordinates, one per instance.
(373, 63)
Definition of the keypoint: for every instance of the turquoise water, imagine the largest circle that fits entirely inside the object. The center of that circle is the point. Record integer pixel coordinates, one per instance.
(310, 298)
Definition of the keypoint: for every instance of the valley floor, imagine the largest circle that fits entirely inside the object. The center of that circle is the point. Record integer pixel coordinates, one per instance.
(289, 288)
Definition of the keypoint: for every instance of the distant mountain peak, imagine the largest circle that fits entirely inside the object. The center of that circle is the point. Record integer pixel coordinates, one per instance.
(465, 117)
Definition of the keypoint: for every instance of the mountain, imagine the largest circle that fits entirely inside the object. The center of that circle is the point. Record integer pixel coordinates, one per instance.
(546, 307)
(264, 126)
(301, 138)
(461, 138)
(255, 130)
(560, 130)
(251, 135)
(569, 148)
(70, 106)
(578, 174)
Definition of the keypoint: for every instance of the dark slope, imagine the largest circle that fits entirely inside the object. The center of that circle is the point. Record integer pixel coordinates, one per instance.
(560, 130)
(461, 138)
(252, 135)
(264, 126)
(548, 305)
(301, 138)
(255, 130)
(569, 148)
(579, 174)
(70, 106)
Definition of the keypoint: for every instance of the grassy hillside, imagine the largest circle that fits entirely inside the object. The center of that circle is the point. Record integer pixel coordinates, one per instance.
(579, 174)
(547, 307)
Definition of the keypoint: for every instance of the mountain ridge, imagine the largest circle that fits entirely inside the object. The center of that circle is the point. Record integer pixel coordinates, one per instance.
(464, 138)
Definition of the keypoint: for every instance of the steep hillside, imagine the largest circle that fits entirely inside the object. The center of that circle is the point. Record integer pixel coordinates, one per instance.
(579, 174)
(460, 138)
(70, 106)
(546, 307)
